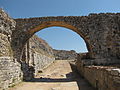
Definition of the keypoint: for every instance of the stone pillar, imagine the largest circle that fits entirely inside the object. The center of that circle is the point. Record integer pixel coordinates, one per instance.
(27, 53)
(31, 54)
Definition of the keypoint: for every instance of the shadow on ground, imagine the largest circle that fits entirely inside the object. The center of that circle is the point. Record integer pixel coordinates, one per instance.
(67, 79)
(70, 77)
(82, 83)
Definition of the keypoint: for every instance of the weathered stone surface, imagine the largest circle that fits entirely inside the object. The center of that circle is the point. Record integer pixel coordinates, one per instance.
(10, 69)
(5, 47)
(7, 24)
(36, 55)
(41, 54)
(65, 55)
(41, 46)
(10, 72)
(115, 72)
(101, 77)
(101, 32)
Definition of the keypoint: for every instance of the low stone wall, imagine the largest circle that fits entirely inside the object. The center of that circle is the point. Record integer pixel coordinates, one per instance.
(10, 72)
(65, 55)
(101, 77)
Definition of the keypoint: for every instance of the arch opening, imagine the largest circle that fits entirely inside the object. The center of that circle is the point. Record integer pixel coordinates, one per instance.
(60, 38)
(30, 32)
(64, 25)
(45, 24)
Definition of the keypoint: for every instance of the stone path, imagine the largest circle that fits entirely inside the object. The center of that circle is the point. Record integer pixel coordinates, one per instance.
(58, 76)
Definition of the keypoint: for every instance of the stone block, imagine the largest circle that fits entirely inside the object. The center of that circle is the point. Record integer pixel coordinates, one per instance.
(115, 72)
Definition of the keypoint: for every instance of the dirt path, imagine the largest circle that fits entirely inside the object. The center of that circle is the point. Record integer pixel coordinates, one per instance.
(58, 76)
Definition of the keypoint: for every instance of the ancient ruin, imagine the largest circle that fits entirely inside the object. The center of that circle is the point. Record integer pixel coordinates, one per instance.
(20, 58)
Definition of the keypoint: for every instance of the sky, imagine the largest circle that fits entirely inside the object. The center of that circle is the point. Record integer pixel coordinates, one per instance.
(59, 37)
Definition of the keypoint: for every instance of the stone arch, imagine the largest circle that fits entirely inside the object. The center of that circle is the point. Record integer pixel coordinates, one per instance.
(59, 24)
(25, 29)
(94, 29)
(26, 33)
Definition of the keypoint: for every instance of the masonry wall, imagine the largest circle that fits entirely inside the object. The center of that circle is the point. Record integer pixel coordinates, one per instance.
(100, 77)
(10, 69)
(65, 55)
(37, 54)
(41, 53)
(10, 72)
(101, 32)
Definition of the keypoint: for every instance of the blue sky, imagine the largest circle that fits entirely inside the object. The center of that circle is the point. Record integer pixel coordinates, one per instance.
(59, 38)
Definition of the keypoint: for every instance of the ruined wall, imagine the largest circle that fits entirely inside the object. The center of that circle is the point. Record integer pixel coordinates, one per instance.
(65, 55)
(37, 54)
(100, 75)
(41, 53)
(10, 72)
(101, 32)
(7, 25)
(10, 69)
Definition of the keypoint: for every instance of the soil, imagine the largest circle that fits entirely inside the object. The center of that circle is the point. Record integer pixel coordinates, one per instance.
(61, 75)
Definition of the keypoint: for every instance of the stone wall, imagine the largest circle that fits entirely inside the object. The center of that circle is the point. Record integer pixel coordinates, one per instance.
(7, 25)
(10, 72)
(101, 32)
(21, 58)
(99, 76)
(41, 54)
(65, 55)
(10, 69)
(36, 55)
